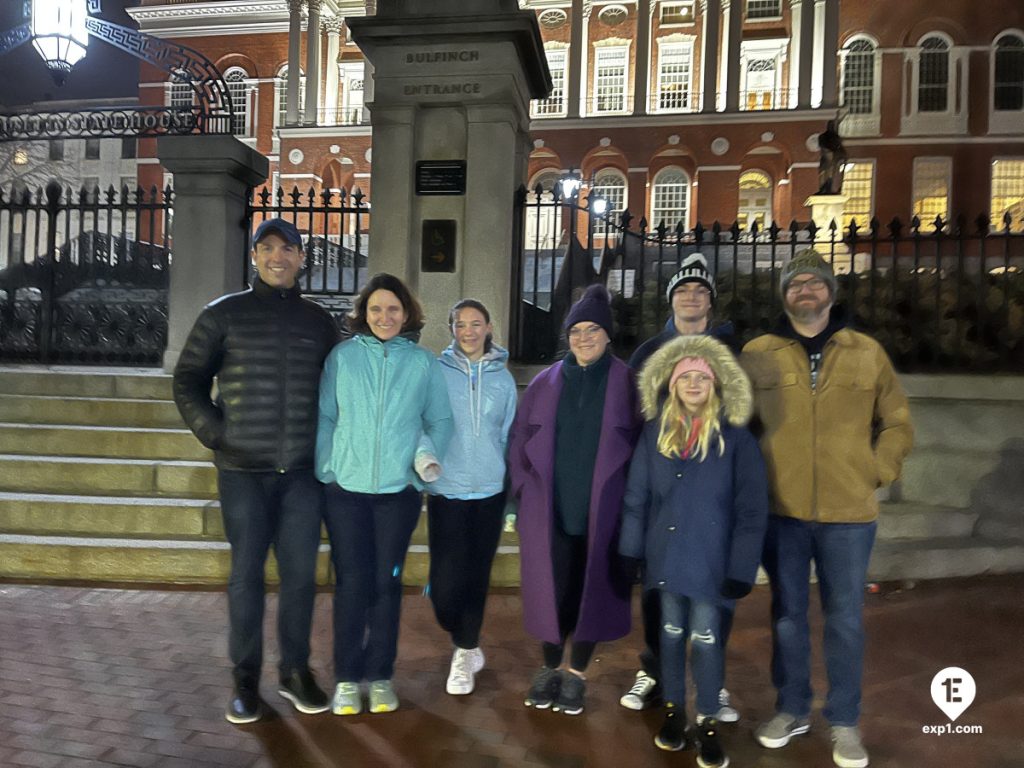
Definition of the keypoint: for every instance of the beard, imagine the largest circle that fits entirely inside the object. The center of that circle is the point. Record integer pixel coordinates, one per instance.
(804, 311)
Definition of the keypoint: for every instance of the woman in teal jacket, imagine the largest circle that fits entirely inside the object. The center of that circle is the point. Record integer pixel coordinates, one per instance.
(384, 422)
(466, 504)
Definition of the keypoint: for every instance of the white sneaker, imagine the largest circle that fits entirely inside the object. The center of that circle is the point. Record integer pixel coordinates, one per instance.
(645, 691)
(466, 662)
(347, 699)
(727, 713)
(847, 748)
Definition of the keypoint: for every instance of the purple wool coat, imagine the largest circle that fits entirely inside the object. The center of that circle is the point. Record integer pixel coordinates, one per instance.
(604, 610)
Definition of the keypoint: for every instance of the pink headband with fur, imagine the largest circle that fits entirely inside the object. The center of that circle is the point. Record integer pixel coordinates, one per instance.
(689, 364)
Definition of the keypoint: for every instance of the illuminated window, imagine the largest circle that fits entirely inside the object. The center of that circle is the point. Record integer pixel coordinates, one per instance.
(859, 187)
(677, 13)
(1008, 192)
(610, 185)
(674, 68)
(670, 198)
(610, 79)
(755, 200)
(931, 188)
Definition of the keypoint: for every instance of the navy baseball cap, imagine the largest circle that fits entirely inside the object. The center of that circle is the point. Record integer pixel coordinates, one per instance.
(283, 228)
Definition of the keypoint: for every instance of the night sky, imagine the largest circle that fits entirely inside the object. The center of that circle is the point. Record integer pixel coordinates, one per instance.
(105, 72)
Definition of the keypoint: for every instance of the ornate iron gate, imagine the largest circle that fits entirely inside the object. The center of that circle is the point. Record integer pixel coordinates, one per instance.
(85, 281)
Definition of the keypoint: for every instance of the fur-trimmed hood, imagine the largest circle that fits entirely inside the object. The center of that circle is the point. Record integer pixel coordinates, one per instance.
(733, 383)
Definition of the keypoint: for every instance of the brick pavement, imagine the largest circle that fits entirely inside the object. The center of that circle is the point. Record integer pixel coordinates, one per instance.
(100, 677)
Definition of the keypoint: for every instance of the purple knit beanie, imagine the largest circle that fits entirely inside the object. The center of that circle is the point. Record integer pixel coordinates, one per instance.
(594, 306)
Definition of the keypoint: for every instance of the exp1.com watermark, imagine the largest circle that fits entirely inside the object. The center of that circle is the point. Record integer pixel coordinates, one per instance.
(953, 691)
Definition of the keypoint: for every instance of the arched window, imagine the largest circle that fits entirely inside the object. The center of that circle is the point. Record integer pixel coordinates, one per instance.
(281, 96)
(235, 78)
(1008, 82)
(859, 77)
(670, 198)
(179, 90)
(610, 185)
(543, 218)
(755, 200)
(933, 82)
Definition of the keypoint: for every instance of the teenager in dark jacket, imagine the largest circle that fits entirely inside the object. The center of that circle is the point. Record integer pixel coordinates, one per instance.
(265, 347)
(695, 510)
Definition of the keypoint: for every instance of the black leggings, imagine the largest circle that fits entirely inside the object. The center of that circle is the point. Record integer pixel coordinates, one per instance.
(569, 568)
(463, 538)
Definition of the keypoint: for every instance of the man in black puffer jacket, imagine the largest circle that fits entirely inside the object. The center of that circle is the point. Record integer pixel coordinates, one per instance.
(266, 347)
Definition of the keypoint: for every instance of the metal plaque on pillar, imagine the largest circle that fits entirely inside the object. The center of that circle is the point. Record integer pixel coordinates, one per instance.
(438, 249)
(441, 177)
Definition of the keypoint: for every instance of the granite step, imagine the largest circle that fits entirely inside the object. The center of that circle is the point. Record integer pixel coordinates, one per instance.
(89, 411)
(912, 520)
(107, 477)
(944, 557)
(99, 442)
(131, 383)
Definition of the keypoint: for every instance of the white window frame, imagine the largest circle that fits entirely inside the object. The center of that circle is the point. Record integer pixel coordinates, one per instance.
(281, 94)
(675, 44)
(665, 8)
(597, 188)
(765, 17)
(1014, 175)
(953, 120)
(862, 123)
(944, 165)
(865, 225)
(545, 219)
(756, 50)
(352, 108)
(241, 125)
(606, 49)
(1003, 120)
(555, 105)
(658, 208)
(751, 212)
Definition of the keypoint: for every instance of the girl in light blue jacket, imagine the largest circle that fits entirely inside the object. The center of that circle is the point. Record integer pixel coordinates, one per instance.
(466, 503)
(384, 422)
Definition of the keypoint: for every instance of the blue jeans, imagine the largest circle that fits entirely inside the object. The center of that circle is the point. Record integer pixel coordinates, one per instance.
(841, 552)
(261, 509)
(699, 622)
(370, 536)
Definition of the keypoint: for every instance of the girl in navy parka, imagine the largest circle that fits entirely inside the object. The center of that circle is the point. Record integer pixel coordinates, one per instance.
(466, 505)
(696, 509)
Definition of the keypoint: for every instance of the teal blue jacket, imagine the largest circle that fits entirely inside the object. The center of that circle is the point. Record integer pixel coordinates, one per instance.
(483, 399)
(381, 405)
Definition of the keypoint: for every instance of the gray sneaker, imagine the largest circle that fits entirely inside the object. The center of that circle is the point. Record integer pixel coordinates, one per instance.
(382, 696)
(780, 729)
(727, 713)
(347, 699)
(847, 749)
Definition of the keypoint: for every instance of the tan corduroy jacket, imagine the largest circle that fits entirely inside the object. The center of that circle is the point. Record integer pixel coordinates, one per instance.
(828, 449)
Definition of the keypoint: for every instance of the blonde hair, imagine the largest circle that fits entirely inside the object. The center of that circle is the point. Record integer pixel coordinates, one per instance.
(677, 426)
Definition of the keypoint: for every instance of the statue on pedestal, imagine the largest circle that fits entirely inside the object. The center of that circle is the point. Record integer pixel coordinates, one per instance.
(833, 155)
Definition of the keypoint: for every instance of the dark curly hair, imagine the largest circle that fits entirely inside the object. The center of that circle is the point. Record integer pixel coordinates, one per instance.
(382, 281)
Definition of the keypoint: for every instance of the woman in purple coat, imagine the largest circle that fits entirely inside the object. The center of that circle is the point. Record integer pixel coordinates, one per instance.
(569, 452)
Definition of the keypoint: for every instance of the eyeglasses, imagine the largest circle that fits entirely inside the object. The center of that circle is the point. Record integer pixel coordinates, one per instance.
(590, 332)
(814, 284)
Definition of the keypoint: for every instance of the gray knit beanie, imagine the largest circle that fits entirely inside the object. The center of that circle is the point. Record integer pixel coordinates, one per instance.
(807, 261)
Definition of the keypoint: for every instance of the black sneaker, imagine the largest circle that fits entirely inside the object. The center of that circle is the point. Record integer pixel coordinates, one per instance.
(544, 689)
(245, 705)
(570, 695)
(711, 754)
(301, 690)
(672, 736)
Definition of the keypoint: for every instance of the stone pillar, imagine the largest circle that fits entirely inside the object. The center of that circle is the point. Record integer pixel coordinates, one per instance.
(585, 90)
(642, 73)
(312, 63)
(333, 27)
(829, 90)
(711, 18)
(795, 7)
(453, 85)
(576, 73)
(731, 73)
(212, 177)
(818, 64)
(294, 65)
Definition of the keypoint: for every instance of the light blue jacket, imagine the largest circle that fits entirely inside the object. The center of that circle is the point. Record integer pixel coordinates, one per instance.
(381, 404)
(483, 399)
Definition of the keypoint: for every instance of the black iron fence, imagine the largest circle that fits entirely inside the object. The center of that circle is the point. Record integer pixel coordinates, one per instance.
(334, 227)
(947, 296)
(84, 275)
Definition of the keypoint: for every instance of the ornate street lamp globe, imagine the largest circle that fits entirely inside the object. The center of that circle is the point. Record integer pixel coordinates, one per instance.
(59, 34)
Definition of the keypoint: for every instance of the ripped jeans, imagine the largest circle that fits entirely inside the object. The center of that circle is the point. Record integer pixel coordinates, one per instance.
(685, 619)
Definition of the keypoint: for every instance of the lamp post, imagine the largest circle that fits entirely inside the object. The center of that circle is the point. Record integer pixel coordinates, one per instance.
(59, 34)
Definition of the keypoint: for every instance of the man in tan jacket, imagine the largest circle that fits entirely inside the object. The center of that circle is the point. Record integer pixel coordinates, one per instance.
(836, 427)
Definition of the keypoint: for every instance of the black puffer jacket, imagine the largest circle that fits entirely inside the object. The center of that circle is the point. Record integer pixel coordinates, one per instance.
(266, 347)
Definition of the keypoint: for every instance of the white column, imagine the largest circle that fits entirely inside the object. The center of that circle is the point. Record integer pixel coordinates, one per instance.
(294, 65)
(734, 25)
(642, 73)
(711, 17)
(312, 62)
(795, 7)
(575, 72)
(585, 58)
(818, 65)
(829, 90)
(333, 27)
